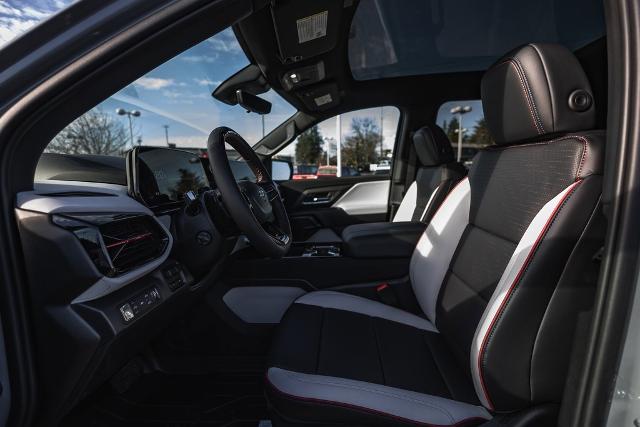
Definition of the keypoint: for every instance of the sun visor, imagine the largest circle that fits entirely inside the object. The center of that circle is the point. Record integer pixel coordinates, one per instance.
(306, 29)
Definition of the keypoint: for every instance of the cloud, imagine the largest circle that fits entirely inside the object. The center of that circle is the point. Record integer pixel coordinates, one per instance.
(17, 19)
(171, 115)
(200, 58)
(226, 42)
(153, 83)
(183, 96)
(207, 82)
(171, 94)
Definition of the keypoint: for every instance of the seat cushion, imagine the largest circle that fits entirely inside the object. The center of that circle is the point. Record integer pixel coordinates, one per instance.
(339, 357)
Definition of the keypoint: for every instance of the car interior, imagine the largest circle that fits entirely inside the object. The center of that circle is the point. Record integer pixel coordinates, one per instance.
(212, 286)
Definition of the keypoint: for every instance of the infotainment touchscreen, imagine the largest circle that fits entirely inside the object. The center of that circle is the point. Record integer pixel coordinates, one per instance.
(165, 175)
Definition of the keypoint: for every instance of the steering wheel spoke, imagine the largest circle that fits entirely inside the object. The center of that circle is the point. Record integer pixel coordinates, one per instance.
(275, 232)
(271, 189)
(256, 207)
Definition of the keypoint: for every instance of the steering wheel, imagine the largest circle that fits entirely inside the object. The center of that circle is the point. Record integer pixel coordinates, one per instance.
(256, 208)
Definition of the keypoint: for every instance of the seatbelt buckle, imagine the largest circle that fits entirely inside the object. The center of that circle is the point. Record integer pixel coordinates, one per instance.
(386, 294)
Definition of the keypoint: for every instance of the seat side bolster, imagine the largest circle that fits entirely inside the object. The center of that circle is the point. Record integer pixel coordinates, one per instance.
(408, 204)
(428, 265)
(400, 405)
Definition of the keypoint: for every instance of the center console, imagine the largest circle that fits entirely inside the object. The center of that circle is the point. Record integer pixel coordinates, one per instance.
(365, 253)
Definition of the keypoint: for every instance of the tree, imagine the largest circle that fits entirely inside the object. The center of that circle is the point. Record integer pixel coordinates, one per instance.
(95, 132)
(481, 134)
(189, 181)
(309, 146)
(360, 148)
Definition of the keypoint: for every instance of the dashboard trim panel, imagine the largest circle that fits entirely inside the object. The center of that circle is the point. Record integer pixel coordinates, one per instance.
(47, 198)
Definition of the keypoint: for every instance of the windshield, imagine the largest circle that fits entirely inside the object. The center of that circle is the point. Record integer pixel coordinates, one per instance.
(172, 106)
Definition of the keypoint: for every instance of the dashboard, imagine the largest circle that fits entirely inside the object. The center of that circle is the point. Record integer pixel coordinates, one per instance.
(110, 266)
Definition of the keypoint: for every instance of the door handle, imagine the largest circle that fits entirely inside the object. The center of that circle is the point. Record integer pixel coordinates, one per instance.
(317, 198)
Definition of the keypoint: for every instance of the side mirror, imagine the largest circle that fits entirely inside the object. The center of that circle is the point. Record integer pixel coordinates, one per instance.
(281, 170)
(253, 103)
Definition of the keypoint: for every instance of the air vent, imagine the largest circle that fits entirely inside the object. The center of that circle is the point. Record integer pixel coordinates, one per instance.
(132, 242)
(117, 243)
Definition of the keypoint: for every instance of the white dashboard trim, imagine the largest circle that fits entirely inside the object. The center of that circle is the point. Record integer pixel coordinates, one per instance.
(39, 200)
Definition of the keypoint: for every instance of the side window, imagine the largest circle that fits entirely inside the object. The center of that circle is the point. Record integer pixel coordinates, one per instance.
(464, 124)
(352, 144)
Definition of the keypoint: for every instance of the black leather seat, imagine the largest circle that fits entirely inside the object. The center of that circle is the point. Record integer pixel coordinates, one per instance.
(436, 176)
(494, 274)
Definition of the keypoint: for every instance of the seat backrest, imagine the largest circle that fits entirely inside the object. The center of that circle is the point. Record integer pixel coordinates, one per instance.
(486, 270)
(437, 175)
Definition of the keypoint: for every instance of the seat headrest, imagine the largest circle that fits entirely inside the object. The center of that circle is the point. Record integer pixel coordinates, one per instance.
(535, 90)
(432, 146)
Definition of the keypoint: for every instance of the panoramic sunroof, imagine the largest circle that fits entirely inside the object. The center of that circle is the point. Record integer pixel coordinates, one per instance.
(414, 37)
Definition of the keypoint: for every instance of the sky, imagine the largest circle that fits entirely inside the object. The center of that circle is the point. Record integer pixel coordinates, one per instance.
(177, 94)
(17, 16)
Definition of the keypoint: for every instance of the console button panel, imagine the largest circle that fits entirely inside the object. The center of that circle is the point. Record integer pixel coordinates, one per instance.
(140, 304)
(174, 275)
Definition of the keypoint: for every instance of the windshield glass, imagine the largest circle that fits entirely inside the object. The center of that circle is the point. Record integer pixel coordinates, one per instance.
(172, 106)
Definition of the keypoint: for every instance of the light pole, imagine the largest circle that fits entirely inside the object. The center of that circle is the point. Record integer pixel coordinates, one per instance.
(338, 145)
(460, 110)
(381, 132)
(328, 141)
(129, 114)
(166, 134)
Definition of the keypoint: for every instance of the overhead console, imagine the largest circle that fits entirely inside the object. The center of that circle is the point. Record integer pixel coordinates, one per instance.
(298, 48)
(306, 29)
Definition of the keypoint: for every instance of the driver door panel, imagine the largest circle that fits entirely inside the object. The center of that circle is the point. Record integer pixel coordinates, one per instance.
(315, 206)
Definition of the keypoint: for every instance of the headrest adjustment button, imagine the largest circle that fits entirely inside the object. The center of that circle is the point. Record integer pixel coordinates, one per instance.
(580, 100)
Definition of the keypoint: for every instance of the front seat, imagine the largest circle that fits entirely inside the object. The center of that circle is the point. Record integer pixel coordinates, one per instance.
(436, 176)
(498, 274)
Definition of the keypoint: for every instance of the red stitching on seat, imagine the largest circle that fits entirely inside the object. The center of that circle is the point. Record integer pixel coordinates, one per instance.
(510, 61)
(584, 155)
(583, 139)
(514, 284)
(447, 197)
(468, 422)
(533, 100)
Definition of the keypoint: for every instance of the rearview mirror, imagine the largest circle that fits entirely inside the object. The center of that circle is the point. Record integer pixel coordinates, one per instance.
(253, 103)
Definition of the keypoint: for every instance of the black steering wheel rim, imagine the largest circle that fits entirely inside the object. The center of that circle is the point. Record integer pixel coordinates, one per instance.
(270, 235)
